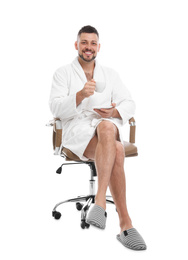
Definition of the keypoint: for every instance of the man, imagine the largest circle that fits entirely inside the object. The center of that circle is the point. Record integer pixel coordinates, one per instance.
(91, 122)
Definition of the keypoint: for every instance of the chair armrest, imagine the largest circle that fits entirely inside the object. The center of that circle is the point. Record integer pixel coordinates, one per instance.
(51, 122)
(132, 130)
(57, 134)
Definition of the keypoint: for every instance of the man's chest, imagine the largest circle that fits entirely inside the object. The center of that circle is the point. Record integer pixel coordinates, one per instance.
(89, 76)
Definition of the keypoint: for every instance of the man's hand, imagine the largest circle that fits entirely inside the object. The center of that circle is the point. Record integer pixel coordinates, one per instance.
(88, 89)
(107, 113)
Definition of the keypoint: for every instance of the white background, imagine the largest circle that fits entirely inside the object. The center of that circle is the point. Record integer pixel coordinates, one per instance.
(146, 42)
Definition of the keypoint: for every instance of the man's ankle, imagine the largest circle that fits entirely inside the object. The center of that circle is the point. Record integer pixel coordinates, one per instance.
(126, 224)
(101, 202)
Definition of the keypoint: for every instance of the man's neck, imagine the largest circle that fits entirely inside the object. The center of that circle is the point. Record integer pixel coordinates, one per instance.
(88, 67)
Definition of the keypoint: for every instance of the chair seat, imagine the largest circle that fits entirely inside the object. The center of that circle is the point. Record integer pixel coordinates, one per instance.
(130, 151)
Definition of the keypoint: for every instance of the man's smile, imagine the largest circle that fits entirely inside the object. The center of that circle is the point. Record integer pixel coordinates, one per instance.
(88, 53)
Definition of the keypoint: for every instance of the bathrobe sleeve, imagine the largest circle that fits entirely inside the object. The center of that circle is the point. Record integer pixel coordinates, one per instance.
(122, 97)
(62, 105)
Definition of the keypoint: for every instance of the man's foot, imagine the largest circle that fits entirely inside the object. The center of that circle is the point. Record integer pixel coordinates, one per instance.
(131, 239)
(97, 217)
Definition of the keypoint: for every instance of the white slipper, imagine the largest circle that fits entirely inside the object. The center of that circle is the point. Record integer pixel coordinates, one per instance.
(131, 239)
(97, 217)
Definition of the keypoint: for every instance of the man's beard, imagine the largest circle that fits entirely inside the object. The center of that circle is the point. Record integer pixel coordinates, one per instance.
(82, 57)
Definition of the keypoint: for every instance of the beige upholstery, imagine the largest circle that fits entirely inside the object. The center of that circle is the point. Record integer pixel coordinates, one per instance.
(130, 148)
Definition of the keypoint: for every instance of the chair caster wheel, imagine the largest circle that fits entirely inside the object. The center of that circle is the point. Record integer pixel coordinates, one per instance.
(79, 206)
(87, 225)
(84, 224)
(56, 214)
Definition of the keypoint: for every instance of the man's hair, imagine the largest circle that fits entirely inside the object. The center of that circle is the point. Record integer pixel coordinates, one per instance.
(88, 29)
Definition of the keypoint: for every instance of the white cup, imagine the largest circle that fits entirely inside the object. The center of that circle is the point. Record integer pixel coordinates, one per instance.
(100, 86)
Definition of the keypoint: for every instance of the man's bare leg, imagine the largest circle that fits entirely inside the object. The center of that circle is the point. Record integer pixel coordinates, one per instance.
(117, 187)
(105, 153)
(116, 181)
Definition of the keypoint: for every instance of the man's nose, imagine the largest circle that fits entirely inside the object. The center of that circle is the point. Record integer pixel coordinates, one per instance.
(88, 45)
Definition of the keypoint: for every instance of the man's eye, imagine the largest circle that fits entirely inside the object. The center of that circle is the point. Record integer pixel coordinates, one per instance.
(94, 43)
(83, 42)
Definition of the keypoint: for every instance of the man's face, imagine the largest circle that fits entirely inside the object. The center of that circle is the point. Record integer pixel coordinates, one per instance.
(87, 46)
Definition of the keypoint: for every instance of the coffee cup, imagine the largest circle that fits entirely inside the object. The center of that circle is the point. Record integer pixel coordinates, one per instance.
(100, 86)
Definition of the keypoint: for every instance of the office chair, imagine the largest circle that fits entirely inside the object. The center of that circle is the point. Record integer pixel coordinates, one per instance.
(71, 158)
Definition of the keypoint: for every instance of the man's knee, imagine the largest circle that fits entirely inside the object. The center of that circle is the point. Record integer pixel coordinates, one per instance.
(107, 129)
(120, 152)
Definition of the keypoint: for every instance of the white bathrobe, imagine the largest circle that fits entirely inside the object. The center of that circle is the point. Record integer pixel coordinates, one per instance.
(79, 122)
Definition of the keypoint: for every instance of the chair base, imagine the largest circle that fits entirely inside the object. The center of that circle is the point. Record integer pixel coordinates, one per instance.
(89, 199)
(84, 208)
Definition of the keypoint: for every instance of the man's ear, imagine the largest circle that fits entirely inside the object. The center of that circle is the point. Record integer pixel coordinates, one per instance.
(76, 45)
(99, 47)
